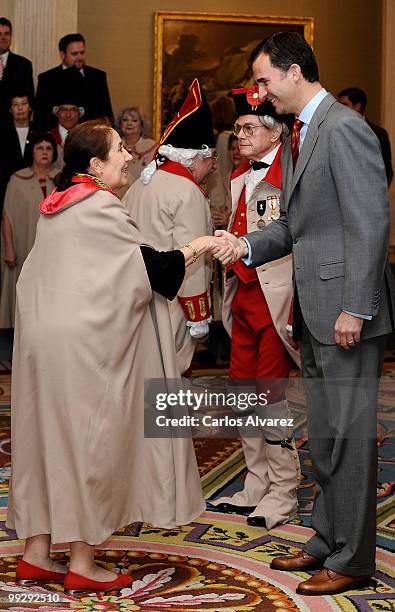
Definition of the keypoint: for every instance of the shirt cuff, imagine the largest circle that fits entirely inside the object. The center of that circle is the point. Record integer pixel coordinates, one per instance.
(247, 260)
(359, 315)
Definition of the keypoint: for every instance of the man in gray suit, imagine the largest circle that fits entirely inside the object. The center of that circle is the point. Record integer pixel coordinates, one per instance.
(335, 220)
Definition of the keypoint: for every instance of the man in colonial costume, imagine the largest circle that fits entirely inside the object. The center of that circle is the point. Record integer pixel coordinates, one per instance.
(171, 208)
(68, 110)
(256, 311)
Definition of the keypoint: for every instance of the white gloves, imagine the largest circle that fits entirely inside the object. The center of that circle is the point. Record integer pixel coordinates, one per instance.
(198, 329)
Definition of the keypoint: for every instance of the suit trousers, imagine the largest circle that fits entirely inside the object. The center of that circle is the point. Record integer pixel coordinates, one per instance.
(341, 389)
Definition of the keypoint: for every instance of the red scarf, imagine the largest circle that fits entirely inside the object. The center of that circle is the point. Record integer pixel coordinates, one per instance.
(85, 185)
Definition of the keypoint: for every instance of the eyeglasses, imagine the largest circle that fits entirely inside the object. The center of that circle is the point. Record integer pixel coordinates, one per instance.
(73, 109)
(247, 129)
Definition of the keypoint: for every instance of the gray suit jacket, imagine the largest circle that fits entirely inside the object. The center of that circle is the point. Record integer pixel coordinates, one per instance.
(335, 220)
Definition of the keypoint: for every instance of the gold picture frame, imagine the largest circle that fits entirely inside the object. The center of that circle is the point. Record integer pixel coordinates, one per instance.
(213, 47)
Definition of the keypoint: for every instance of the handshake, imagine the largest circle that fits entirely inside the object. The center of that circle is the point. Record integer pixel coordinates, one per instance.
(225, 247)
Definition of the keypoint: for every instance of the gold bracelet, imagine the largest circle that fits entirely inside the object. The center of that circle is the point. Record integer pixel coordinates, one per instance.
(194, 251)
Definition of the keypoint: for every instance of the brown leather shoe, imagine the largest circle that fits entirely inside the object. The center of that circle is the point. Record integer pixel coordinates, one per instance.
(297, 562)
(327, 582)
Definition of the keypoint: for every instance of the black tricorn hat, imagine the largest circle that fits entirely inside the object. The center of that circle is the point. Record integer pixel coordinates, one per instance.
(68, 88)
(247, 102)
(192, 126)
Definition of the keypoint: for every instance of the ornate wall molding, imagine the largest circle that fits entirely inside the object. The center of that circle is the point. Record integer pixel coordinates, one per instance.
(37, 27)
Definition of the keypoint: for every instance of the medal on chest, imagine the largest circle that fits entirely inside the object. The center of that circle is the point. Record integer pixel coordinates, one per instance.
(273, 202)
(261, 209)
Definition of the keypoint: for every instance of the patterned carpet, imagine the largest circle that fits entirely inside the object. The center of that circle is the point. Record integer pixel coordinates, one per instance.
(218, 563)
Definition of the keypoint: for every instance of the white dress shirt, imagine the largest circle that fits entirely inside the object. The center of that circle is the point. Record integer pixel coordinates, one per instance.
(63, 133)
(254, 177)
(22, 136)
(4, 58)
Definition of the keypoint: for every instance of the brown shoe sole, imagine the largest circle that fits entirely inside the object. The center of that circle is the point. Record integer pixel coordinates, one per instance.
(350, 587)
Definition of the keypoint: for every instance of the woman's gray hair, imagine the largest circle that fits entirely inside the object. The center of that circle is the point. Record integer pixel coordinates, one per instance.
(145, 123)
(271, 123)
(185, 157)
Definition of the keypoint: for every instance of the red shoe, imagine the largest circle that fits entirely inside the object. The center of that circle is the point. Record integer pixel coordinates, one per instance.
(26, 573)
(74, 584)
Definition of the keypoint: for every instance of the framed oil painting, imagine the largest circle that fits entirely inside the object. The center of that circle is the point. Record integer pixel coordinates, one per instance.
(214, 47)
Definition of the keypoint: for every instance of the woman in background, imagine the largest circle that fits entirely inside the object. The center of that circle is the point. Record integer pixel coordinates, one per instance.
(26, 189)
(220, 215)
(15, 138)
(134, 129)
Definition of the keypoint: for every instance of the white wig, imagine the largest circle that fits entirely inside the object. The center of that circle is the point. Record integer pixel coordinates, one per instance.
(184, 157)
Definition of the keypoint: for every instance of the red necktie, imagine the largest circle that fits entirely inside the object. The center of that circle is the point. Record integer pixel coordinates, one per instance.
(295, 140)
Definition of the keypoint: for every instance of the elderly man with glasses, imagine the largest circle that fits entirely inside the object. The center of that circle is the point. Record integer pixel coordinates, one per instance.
(68, 111)
(256, 310)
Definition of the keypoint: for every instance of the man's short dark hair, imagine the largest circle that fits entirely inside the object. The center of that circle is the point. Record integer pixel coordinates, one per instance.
(6, 22)
(65, 41)
(285, 49)
(355, 95)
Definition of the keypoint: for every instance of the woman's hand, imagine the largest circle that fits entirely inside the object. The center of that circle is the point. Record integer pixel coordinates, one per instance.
(205, 244)
(10, 258)
(8, 241)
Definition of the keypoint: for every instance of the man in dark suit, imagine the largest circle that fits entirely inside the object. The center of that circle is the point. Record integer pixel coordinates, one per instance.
(357, 99)
(16, 73)
(93, 89)
(335, 219)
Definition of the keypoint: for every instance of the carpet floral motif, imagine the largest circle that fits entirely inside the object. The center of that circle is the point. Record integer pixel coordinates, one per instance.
(218, 563)
(161, 582)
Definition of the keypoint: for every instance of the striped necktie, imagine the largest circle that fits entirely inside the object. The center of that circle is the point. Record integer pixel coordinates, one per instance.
(295, 140)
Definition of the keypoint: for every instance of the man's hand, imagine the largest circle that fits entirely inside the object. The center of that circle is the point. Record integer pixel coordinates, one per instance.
(348, 330)
(199, 329)
(219, 217)
(236, 248)
(295, 345)
(219, 247)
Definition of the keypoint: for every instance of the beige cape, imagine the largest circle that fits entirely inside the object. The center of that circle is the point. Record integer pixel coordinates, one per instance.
(85, 339)
(21, 203)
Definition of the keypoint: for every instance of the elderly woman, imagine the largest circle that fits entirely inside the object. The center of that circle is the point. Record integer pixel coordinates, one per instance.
(25, 191)
(15, 138)
(170, 205)
(133, 127)
(90, 327)
(220, 214)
